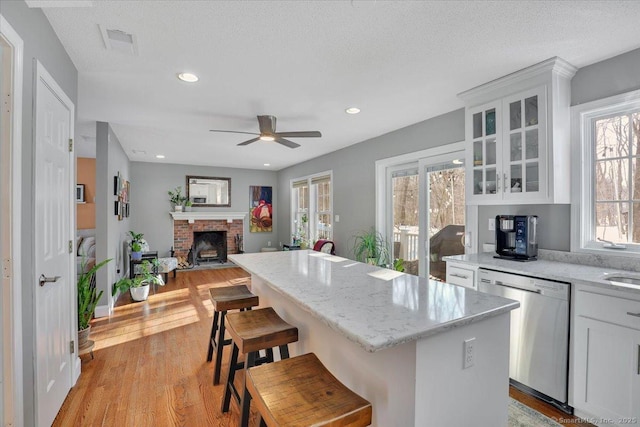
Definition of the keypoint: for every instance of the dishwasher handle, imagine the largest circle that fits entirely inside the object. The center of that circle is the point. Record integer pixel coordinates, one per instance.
(499, 283)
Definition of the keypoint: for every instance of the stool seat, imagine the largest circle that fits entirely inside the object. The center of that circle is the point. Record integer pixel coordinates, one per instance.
(234, 297)
(259, 330)
(300, 391)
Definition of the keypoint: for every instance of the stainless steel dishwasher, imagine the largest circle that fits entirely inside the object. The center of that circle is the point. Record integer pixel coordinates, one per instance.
(539, 358)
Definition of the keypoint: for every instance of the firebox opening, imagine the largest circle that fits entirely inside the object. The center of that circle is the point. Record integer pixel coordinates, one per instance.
(209, 246)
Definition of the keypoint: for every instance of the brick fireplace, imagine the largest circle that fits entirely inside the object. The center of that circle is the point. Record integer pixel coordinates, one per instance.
(186, 223)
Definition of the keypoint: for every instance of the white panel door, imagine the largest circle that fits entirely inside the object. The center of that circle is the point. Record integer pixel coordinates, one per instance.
(53, 298)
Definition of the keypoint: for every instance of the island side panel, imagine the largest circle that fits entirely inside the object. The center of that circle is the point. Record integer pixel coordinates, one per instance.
(449, 395)
(385, 378)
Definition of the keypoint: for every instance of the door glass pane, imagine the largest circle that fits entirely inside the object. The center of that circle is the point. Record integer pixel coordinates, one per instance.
(531, 143)
(491, 122)
(477, 125)
(405, 221)
(477, 153)
(491, 151)
(612, 221)
(477, 181)
(446, 218)
(532, 177)
(516, 147)
(490, 185)
(515, 115)
(516, 178)
(531, 111)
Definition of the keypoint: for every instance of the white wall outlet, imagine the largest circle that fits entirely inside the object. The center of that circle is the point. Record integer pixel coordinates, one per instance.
(269, 243)
(469, 353)
(337, 218)
(492, 224)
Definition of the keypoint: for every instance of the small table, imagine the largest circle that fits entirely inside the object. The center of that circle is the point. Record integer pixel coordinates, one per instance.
(146, 256)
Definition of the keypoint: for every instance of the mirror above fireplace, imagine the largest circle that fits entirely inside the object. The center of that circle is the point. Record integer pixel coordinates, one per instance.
(209, 191)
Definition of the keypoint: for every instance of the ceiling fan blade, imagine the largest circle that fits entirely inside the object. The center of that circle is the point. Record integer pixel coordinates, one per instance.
(302, 134)
(286, 142)
(232, 131)
(267, 124)
(250, 141)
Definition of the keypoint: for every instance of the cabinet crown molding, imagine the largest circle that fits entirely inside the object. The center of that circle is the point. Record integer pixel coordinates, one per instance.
(556, 66)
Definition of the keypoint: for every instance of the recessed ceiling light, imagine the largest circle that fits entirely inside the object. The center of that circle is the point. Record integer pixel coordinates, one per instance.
(188, 77)
(159, 156)
(267, 138)
(352, 110)
(267, 164)
(458, 161)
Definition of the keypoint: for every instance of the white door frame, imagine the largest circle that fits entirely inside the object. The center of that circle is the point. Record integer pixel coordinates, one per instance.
(11, 319)
(383, 169)
(42, 74)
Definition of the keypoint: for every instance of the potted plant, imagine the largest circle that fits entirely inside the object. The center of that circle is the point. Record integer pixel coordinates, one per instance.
(176, 198)
(187, 205)
(371, 247)
(136, 245)
(88, 298)
(138, 286)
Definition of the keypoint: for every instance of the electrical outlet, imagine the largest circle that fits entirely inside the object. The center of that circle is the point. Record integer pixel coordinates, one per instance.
(492, 224)
(269, 243)
(469, 353)
(337, 218)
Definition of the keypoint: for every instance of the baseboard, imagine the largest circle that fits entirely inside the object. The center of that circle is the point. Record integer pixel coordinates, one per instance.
(77, 368)
(103, 311)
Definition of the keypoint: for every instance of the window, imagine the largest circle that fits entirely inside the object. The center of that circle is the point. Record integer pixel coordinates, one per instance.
(606, 178)
(312, 209)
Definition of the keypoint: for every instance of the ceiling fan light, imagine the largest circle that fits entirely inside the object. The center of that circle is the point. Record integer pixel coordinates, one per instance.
(160, 156)
(352, 110)
(267, 138)
(188, 77)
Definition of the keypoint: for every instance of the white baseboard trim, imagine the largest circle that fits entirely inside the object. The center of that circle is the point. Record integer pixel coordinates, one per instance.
(103, 311)
(77, 368)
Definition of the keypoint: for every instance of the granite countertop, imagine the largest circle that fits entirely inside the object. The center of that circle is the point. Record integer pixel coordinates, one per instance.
(548, 269)
(374, 307)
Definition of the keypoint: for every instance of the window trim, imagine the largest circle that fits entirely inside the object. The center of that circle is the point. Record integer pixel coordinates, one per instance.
(312, 231)
(582, 179)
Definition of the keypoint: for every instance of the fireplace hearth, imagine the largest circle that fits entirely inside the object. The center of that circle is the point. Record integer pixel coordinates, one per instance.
(209, 246)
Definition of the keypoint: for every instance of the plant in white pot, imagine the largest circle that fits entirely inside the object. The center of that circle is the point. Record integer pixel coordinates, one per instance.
(177, 199)
(371, 247)
(139, 285)
(88, 298)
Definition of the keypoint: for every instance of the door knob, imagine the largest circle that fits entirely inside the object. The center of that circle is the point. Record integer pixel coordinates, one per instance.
(44, 279)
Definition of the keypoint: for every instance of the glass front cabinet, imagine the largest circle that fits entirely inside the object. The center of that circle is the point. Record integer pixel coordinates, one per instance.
(514, 153)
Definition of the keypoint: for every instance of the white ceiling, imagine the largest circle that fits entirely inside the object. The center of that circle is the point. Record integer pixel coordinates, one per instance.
(305, 62)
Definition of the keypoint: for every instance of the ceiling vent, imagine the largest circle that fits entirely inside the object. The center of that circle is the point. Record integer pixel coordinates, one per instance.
(138, 151)
(119, 41)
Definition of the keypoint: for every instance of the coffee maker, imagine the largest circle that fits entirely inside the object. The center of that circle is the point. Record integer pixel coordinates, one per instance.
(517, 237)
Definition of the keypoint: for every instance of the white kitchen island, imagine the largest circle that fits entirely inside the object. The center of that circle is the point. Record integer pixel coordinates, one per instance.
(395, 339)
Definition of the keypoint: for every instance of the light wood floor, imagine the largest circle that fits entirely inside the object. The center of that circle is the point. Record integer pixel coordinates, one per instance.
(149, 366)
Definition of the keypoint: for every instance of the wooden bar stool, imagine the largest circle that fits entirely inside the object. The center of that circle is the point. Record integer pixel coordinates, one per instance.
(252, 331)
(236, 297)
(301, 392)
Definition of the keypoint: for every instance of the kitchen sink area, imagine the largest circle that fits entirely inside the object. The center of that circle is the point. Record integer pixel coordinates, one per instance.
(630, 281)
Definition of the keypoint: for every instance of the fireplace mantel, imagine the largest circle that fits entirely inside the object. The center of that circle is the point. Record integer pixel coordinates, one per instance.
(194, 216)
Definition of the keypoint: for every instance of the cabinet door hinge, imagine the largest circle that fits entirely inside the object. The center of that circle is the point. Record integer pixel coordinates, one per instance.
(70, 246)
(70, 145)
(6, 268)
(72, 346)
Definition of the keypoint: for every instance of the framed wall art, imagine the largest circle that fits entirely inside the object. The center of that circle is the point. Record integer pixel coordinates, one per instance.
(261, 209)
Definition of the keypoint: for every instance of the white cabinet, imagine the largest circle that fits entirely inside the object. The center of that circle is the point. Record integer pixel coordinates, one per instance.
(606, 357)
(461, 274)
(517, 137)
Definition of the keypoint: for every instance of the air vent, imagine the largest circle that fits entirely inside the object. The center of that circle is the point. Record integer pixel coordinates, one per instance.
(119, 41)
(135, 151)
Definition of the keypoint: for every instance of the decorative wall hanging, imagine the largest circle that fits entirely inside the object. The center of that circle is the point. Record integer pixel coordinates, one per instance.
(261, 211)
(121, 188)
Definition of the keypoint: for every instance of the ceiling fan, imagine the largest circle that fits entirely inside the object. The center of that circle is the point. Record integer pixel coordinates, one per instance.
(268, 133)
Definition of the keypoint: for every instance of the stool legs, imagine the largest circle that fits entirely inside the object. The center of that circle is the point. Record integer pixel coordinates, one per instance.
(217, 343)
(212, 338)
(229, 387)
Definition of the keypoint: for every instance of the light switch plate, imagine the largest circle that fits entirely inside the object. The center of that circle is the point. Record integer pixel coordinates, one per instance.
(492, 224)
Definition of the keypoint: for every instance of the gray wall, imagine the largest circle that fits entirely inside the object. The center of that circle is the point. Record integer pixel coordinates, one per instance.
(150, 205)
(354, 174)
(41, 43)
(110, 233)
